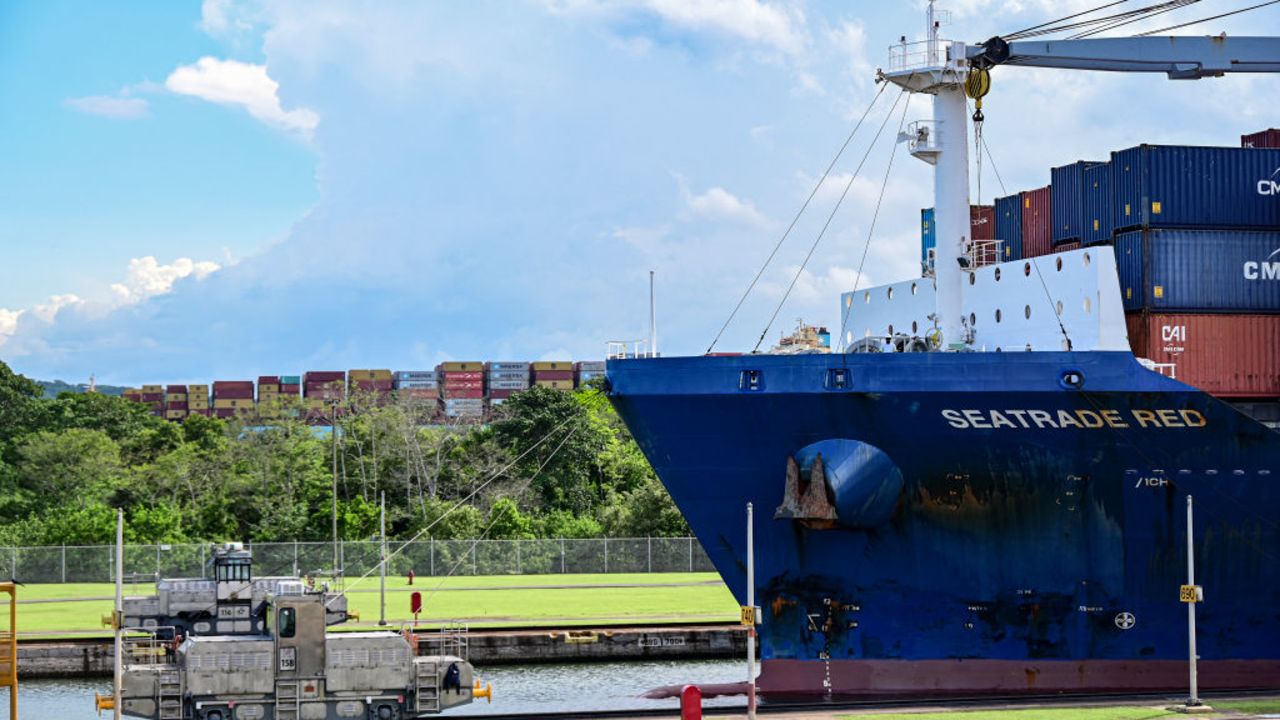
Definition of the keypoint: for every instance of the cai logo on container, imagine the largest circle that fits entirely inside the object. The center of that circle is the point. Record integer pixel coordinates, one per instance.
(1268, 269)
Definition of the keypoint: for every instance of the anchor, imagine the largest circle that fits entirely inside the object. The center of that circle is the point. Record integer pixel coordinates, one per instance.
(810, 506)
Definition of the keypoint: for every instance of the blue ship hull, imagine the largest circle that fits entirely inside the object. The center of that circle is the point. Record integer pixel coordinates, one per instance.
(992, 522)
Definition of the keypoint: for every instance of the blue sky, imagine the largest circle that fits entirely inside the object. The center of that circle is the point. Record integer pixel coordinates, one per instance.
(224, 189)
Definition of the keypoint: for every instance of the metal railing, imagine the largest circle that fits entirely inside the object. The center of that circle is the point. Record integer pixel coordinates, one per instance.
(96, 563)
(919, 54)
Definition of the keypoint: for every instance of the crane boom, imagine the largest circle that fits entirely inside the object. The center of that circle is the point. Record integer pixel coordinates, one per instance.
(1181, 58)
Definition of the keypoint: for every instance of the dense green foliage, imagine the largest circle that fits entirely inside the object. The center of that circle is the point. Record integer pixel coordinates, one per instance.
(551, 464)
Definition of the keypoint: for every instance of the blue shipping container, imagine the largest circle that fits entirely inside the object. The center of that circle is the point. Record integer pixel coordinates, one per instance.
(1068, 201)
(1097, 204)
(928, 237)
(1236, 271)
(1009, 226)
(1157, 186)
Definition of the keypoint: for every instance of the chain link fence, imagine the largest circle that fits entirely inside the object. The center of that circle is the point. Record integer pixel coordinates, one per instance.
(96, 563)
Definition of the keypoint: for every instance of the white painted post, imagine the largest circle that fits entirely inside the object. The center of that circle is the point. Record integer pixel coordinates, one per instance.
(64, 563)
(751, 629)
(649, 553)
(606, 555)
(690, 554)
(561, 556)
(118, 620)
(1191, 607)
(382, 564)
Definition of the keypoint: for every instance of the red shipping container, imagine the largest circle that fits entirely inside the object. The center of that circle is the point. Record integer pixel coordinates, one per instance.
(268, 379)
(1073, 245)
(463, 375)
(176, 405)
(290, 389)
(982, 222)
(462, 394)
(419, 393)
(1223, 355)
(224, 412)
(501, 394)
(464, 384)
(152, 397)
(323, 376)
(176, 389)
(1265, 139)
(371, 384)
(552, 375)
(1037, 222)
(233, 394)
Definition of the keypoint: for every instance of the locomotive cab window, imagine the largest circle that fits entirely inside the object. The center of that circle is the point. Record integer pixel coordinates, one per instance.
(288, 622)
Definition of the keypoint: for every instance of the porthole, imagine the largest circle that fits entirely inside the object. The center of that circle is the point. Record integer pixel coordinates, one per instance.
(973, 320)
(1087, 260)
(997, 314)
(1088, 305)
(1059, 307)
(973, 278)
(913, 288)
(1026, 269)
(997, 274)
(1059, 264)
(889, 293)
(1027, 312)
(890, 331)
(914, 327)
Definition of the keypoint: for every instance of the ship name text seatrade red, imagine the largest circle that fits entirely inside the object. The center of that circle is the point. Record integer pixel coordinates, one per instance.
(972, 419)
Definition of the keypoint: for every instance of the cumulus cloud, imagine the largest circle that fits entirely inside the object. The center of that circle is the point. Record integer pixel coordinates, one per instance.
(720, 204)
(148, 278)
(48, 312)
(772, 25)
(110, 106)
(230, 82)
(8, 323)
(221, 16)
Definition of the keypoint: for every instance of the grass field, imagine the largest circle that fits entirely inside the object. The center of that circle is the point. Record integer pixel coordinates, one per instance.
(1075, 713)
(493, 600)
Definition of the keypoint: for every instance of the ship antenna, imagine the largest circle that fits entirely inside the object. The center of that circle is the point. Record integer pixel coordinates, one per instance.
(653, 320)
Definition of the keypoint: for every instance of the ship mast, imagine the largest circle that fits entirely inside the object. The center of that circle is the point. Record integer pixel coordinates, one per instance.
(939, 68)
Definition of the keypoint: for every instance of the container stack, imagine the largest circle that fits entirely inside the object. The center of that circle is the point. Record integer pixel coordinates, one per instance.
(1008, 218)
(1096, 205)
(233, 398)
(320, 390)
(290, 395)
(982, 226)
(1037, 222)
(1265, 139)
(153, 397)
(589, 370)
(506, 378)
(553, 374)
(175, 402)
(373, 385)
(269, 397)
(462, 390)
(416, 384)
(198, 400)
(1195, 242)
(1068, 191)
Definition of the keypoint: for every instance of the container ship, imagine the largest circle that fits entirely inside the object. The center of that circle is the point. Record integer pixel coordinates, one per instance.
(982, 488)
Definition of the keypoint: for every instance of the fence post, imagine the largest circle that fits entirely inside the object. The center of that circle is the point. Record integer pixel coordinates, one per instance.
(649, 553)
(474, 571)
(690, 554)
(295, 559)
(519, 565)
(606, 555)
(64, 563)
(203, 546)
(15, 563)
(562, 556)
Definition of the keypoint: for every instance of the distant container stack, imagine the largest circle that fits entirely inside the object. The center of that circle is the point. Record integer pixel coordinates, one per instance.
(321, 390)
(421, 385)
(198, 400)
(373, 385)
(269, 397)
(506, 378)
(233, 398)
(553, 374)
(462, 390)
(175, 402)
(589, 370)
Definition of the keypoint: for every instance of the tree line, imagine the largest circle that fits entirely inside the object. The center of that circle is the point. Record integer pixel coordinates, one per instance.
(549, 464)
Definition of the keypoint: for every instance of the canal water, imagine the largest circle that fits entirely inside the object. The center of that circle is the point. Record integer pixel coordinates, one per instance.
(516, 688)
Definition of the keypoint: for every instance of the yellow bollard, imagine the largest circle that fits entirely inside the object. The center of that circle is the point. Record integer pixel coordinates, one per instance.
(104, 702)
(482, 691)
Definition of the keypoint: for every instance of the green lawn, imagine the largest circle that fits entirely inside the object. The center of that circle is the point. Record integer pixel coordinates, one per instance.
(1269, 706)
(1109, 713)
(483, 600)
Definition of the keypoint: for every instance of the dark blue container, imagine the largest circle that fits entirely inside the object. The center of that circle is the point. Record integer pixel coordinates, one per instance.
(1097, 204)
(1068, 201)
(1217, 270)
(1167, 186)
(1009, 226)
(928, 237)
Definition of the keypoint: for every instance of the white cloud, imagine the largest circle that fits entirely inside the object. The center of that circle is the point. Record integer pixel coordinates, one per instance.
(850, 40)
(769, 24)
(221, 16)
(109, 106)
(148, 278)
(48, 312)
(230, 82)
(720, 204)
(8, 323)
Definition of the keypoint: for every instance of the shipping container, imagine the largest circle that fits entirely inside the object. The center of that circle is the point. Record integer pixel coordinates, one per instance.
(590, 365)
(462, 375)
(176, 389)
(232, 403)
(1037, 222)
(457, 366)
(368, 375)
(289, 389)
(175, 414)
(555, 384)
(1068, 193)
(171, 396)
(417, 384)
(1224, 355)
(1265, 139)
(176, 405)
(268, 380)
(928, 239)
(463, 385)
(982, 222)
(552, 375)
(1236, 271)
(268, 388)
(152, 388)
(152, 396)
(323, 376)
(507, 366)
(1097, 204)
(544, 365)
(1167, 186)
(462, 393)
(502, 394)
(509, 384)
(415, 375)
(1008, 213)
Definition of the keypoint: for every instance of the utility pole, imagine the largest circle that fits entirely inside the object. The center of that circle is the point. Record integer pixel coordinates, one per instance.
(118, 620)
(333, 437)
(1191, 595)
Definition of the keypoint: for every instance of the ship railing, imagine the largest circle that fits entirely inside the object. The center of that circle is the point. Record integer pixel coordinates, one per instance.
(450, 639)
(919, 54)
(144, 646)
(921, 137)
(1169, 370)
(985, 252)
(626, 349)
